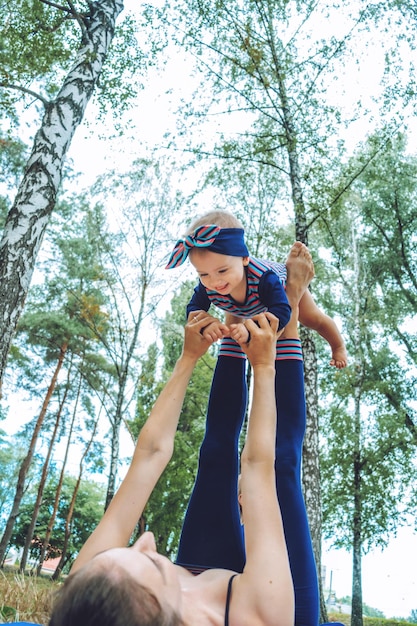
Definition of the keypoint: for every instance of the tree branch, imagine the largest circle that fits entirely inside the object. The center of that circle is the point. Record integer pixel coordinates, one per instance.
(70, 10)
(56, 6)
(78, 17)
(25, 90)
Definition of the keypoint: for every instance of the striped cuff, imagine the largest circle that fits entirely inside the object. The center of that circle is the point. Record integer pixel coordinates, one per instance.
(289, 349)
(230, 347)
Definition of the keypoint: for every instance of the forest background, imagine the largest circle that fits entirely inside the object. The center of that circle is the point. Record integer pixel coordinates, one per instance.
(297, 117)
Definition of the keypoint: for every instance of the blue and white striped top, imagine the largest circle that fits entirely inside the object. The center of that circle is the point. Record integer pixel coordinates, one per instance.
(265, 292)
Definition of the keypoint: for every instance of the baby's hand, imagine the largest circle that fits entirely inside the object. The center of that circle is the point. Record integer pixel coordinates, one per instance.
(215, 330)
(239, 333)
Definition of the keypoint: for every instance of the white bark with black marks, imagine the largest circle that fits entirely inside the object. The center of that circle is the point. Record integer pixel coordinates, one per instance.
(35, 200)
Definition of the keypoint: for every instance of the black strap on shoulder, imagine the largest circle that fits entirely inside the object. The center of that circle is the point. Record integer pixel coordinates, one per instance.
(228, 596)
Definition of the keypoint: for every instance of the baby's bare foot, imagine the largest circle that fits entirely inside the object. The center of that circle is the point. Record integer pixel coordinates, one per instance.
(300, 268)
(339, 358)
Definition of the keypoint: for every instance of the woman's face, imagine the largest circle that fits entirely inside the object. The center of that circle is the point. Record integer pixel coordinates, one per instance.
(150, 569)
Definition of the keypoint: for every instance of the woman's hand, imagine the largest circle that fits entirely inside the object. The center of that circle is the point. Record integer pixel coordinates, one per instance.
(263, 337)
(210, 327)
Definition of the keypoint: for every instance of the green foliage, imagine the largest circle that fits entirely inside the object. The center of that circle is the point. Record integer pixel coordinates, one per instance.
(377, 621)
(371, 434)
(386, 452)
(368, 611)
(40, 41)
(173, 324)
(148, 389)
(124, 70)
(388, 194)
(11, 455)
(258, 195)
(8, 612)
(368, 620)
(88, 512)
(13, 154)
(69, 308)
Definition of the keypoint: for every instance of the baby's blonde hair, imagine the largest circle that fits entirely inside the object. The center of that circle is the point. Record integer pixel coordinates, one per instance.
(219, 218)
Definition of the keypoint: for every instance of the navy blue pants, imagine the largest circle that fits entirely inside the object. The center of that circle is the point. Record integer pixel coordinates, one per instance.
(212, 536)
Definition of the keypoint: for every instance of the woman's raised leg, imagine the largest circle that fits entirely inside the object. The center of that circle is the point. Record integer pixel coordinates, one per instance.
(289, 389)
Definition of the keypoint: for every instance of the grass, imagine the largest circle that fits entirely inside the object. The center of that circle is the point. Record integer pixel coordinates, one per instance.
(369, 621)
(24, 597)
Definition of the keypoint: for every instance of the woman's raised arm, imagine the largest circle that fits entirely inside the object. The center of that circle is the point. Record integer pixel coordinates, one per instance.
(265, 587)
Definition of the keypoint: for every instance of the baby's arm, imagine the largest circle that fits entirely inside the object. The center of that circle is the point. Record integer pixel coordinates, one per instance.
(274, 298)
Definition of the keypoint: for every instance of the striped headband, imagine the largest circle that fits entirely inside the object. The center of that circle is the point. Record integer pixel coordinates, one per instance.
(228, 241)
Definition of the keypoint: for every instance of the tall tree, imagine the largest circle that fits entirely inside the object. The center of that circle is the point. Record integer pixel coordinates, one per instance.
(43, 476)
(369, 454)
(69, 518)
(63, 112)
(25, 465)
(88, 512)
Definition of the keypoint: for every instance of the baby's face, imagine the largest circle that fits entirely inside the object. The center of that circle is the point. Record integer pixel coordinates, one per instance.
(220, 272)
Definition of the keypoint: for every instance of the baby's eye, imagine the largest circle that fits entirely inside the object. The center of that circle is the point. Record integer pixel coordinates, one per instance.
(222, 271)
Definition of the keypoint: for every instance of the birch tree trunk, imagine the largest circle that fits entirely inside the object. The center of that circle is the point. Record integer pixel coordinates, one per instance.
(35, 200)
(311, 466)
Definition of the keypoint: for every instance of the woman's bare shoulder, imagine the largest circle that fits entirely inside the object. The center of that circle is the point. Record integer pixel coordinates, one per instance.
(250, 608)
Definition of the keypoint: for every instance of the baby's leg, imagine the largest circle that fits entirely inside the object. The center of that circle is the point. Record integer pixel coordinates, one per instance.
(311, 316)
(212, 534)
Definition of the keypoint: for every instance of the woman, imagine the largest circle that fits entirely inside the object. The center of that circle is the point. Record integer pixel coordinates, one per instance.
(112, 584)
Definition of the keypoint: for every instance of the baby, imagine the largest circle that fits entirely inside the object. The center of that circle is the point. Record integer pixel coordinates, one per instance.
(242, 285)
